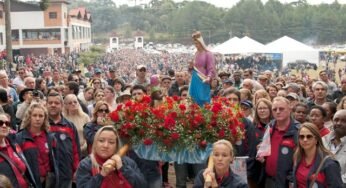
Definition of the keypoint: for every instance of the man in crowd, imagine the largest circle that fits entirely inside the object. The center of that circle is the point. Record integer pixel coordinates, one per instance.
(68, 147)
(278, 166)
(56, 79)
(141, 76)
(339, 94)
(336, 141)
(4, 83)
(237, 79)
(319, 89)
(29, 82)
(179, 82)
(330, 84)
(19, 80)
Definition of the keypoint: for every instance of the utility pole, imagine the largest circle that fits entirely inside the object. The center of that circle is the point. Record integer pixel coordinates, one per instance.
(9, 56)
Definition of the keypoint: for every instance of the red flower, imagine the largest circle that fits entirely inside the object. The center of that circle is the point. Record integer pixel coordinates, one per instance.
(182, 107)
(175, 98)
(175, 136)
(169, 122)
(173, 115)
(114, 116)
(146, 99)
(147, 141)
(221, 133)
(119, 107)
(203, 144)
(217, 107)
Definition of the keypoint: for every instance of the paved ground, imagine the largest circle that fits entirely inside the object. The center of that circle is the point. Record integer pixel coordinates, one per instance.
(171, 177)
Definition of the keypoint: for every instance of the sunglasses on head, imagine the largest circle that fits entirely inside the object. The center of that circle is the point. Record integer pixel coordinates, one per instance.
(308, 137)
(7, 123)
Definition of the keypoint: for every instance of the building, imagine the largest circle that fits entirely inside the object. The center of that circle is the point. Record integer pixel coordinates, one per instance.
(55, 30)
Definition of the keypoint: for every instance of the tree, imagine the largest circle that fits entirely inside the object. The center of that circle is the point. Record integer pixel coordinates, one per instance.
(43, 5)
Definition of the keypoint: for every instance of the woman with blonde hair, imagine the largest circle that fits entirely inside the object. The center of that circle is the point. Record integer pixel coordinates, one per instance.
(99, 118)
(245, 94)
(314, 165)
(221, 174)
(105, 168)
(259, 94)
(73, 112)
(41, 155)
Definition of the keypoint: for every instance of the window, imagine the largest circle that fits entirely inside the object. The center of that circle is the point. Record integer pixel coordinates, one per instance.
(53, 15)
(15, 35)
(41, 34)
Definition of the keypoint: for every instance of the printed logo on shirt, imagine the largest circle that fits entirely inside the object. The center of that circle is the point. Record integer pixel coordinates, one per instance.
(62, 136)
(238, 143)
(284, 150)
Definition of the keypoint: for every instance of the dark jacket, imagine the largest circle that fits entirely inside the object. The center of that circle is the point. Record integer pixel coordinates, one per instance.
(150, 169)
(329, 175)
(68, 148)
(30, 151)
(284, 171)
(129, 170)
(231, 181)
(89, 131)
(6, 168)
(247, 147)
(174, 90)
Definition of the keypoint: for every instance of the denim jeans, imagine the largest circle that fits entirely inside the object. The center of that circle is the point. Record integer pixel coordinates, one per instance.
(181, 173)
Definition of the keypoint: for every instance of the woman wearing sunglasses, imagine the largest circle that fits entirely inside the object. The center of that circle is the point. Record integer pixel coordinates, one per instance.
(12, 161)
(105, 168)
(99, 119)
(314, 165)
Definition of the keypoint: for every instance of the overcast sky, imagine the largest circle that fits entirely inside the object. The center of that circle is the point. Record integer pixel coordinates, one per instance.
(224, 3)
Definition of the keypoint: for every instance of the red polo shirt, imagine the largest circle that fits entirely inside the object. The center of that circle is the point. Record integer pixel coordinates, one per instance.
(324, 131)
(271, 161)
(40, 141)
(303, 172)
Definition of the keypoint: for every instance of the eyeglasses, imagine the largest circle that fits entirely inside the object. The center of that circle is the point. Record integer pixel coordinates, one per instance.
(278, 109)
(308, 137)
(7, 123)
(183, 95)
(20, 72)
(134, 94)
(142, 70)
(97, 82)
(103, 110)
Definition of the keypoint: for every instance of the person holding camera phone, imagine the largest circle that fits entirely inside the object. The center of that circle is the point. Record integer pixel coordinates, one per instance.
(25, 97)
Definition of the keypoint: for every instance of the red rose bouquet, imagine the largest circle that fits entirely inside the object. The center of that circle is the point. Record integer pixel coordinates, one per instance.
(177, 123)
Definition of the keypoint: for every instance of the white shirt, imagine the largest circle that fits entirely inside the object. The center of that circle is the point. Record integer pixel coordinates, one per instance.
(339, 151)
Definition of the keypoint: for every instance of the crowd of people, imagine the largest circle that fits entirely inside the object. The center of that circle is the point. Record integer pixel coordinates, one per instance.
(54, 133)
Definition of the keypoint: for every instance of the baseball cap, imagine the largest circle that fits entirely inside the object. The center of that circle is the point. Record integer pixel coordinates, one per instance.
(247, 103)
(141, 67)
(292, 95)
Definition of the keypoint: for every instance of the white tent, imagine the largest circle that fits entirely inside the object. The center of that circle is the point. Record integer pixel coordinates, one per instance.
(246, 45)
(222, 48)
(235, 45)
(292, 50)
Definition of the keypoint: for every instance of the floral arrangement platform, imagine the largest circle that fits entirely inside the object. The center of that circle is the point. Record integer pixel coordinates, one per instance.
(177, 130)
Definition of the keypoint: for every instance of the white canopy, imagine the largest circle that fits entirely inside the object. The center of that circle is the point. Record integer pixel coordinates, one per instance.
(292, 50)
(239, 46)
(222, 48)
